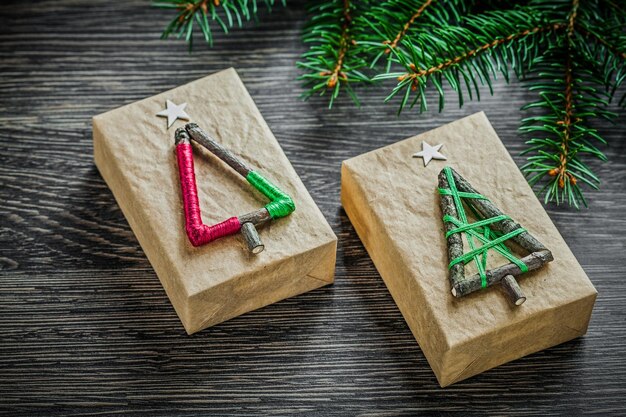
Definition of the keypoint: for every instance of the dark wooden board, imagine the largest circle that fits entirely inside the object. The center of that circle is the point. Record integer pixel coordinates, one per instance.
(85, 327)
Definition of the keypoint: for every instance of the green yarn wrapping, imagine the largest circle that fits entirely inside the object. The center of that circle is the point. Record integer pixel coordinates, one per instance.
(280, 204)
(478, 230)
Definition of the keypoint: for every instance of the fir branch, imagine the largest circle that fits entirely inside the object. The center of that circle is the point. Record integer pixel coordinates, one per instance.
(573, 90)
(561, 133)
(576, 80)
(504, 39)
(189, 13)
(333, 60)
(607, 47)
(384, 26)
(416, 74)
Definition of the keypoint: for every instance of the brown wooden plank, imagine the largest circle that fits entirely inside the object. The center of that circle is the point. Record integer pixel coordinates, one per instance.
(85, 326)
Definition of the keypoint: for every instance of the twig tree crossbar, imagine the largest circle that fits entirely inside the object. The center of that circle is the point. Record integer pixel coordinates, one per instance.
(572, 53)
(489, 232)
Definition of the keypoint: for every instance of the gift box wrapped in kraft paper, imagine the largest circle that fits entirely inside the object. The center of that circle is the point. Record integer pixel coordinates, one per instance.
(392, 200)
(134, 151)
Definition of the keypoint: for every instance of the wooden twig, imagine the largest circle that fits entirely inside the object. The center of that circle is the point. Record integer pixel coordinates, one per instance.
(256, 217)
(513, 290)
(181, 136)
(250, 235)
(203, 138)
(455, 241)
(474, 283)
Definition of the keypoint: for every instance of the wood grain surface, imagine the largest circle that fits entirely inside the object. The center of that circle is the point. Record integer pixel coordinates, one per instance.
(85, 327)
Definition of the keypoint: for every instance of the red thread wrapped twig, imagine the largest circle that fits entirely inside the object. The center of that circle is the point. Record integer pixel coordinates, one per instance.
(198, 232)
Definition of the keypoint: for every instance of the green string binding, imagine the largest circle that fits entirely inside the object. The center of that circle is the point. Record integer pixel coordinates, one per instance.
(280, 204)
(479, 231)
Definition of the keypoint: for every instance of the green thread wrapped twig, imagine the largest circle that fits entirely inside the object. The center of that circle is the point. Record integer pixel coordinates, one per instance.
(491, 230)
(280, 204)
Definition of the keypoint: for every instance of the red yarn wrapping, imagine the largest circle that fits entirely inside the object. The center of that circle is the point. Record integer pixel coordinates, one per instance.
(198, 232)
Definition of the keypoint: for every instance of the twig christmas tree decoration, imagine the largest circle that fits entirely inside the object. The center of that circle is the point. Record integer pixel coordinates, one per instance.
(280, 204)
(490, 231)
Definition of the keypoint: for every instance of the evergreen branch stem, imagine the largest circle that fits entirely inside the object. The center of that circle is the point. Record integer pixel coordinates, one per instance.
(407, 25)
(566, 122)
(561, 171)
(344, 44)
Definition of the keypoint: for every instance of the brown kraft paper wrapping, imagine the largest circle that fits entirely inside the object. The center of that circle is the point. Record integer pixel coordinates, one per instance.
(392, 201)
(134, 152)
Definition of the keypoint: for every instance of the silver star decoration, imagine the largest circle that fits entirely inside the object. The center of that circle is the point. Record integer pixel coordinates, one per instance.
(429, 152)
(173, 112)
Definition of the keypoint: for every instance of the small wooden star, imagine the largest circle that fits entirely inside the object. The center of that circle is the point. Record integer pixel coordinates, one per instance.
(429, 152)
(173, 111)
